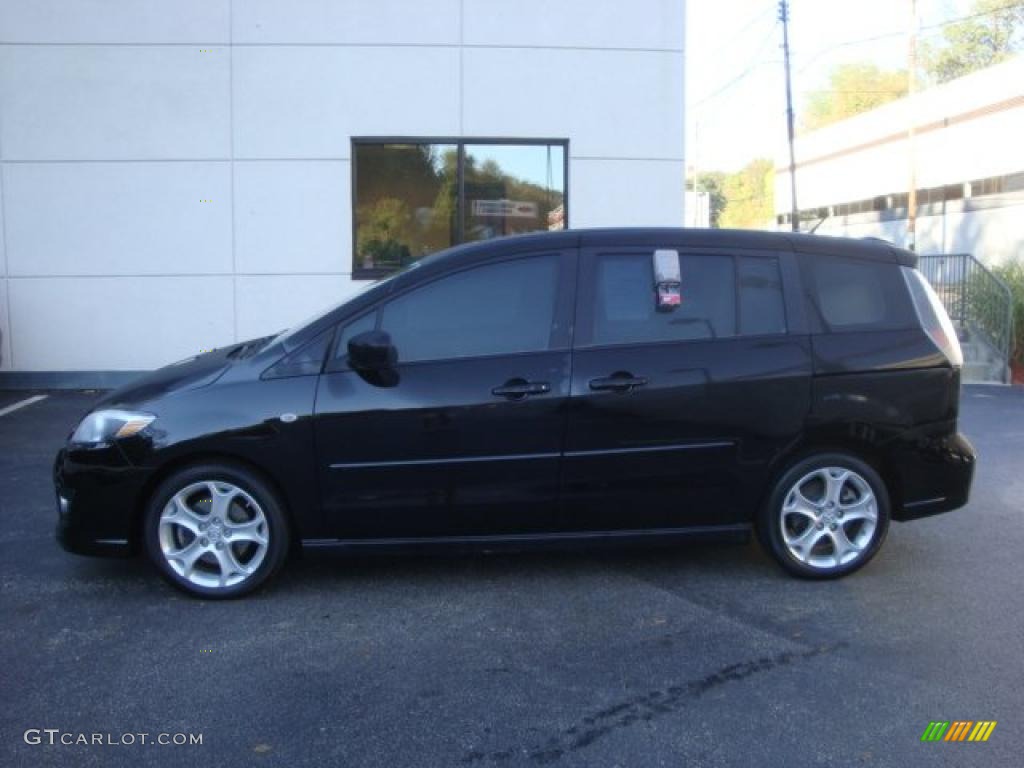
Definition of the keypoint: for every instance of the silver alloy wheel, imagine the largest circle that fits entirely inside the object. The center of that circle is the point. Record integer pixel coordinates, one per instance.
(213, 534)
(828, 517)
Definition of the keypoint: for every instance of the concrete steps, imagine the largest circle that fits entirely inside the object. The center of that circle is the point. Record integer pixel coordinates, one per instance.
(982, 363)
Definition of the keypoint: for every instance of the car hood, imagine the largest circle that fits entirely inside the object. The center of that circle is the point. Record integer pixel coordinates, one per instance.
(190, 373)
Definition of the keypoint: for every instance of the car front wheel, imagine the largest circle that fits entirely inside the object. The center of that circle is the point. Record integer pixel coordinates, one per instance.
(215, 531)
(827, 516)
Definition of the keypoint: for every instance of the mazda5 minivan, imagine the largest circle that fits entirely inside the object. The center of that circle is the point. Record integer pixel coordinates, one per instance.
(625, 385)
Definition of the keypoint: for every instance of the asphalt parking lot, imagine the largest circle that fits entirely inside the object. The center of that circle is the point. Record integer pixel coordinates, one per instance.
(704, 656)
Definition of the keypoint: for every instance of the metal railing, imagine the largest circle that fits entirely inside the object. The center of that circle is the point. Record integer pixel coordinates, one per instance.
(977, 301)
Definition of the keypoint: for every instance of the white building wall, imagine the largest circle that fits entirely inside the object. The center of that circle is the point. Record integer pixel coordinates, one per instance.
(177, 176)
(993, 236)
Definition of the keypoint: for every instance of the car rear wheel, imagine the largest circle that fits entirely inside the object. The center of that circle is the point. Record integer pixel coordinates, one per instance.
(215, 531)
(827, 516)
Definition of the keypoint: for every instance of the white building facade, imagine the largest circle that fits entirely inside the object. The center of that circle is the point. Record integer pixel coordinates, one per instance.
(180, 176)
(968, 154)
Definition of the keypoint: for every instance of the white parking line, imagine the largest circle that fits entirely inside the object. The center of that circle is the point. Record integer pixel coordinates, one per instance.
(21, 404)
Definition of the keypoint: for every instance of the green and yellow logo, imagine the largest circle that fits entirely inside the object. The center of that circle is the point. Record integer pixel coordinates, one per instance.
(958, 730)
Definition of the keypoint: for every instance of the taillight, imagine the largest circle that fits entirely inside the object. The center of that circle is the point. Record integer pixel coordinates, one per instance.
(934, 319)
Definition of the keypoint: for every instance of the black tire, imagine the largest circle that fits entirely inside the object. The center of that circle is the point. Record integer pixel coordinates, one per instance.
(275, 530)
(771, 519)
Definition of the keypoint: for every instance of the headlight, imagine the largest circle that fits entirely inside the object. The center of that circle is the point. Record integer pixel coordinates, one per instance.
(104, 425)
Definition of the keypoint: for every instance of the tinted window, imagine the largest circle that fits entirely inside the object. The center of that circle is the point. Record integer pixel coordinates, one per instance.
(624, 300)
(354, 328)
(851, 294)
(760, 292)
(305, 361)
(495, 309)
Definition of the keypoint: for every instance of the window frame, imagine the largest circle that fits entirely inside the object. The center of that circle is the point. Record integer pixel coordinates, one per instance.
(334, 362)
(587, 286)
(272, 372)
(559, 339)
(460, 143)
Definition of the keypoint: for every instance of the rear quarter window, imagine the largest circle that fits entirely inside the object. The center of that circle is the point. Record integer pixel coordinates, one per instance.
(856, 295)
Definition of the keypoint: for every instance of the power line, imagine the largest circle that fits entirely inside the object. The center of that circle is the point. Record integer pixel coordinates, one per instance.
(753, 64)
(890, 35)
(784, 18)
(978, 14)
(736, 35)
(847, 44)
(843, 91)
(765, 13)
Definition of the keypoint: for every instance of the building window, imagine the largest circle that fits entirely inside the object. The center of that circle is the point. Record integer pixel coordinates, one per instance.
(412, 198)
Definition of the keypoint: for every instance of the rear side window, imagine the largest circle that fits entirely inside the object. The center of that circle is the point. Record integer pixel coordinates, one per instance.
(722, 297)
(855, 295)
(762, 310)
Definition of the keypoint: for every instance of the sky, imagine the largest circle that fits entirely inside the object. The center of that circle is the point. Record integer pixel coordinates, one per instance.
(735, 86)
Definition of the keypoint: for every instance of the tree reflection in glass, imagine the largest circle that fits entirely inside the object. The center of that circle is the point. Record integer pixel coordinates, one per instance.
(407, 201)
(512, 189)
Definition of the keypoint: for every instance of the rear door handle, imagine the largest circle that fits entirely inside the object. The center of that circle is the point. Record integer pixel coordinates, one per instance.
(619, 381)
(519, 389)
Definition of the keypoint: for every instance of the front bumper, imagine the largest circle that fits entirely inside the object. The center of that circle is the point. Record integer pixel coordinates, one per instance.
(98, 494)
(935, 476)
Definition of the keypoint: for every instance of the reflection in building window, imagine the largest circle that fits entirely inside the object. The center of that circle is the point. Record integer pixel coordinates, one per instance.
(405, 202)
(412, 199)
(510, 190)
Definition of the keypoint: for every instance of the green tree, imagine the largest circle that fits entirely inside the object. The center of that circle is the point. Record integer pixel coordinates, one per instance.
(993, 33)
(1012, 273)
(710, 182)
(749, 196)
(853, 88)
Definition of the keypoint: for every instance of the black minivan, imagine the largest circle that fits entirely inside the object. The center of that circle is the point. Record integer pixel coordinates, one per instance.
(577, 386)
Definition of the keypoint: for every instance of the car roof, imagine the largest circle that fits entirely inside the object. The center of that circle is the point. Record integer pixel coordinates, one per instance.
(864, 248)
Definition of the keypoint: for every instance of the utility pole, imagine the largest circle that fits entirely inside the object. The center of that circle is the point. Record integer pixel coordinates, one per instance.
(696, 174)
(784, 18)
(911, 146)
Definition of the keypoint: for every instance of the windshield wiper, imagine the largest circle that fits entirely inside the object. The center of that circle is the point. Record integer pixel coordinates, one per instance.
(248, 349)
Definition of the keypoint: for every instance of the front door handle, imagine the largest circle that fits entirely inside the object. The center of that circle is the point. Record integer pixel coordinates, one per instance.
(519, 389)
(620, 381)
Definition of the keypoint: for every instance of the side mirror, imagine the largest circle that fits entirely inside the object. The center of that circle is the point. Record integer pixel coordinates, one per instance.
(372, 351)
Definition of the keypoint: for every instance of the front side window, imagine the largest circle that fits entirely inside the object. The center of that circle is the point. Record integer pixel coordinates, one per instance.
(502, 308)
(305, 361)
(722, 296)
(354, 327)
(415, 198)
